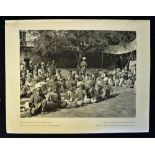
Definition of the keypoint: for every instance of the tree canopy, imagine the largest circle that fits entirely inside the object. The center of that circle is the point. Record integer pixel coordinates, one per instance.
(80, 42)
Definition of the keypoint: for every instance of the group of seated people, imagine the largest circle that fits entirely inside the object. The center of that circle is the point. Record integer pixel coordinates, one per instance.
(51, 90)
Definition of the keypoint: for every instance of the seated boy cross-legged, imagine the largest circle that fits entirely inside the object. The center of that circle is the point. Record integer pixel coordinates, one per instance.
(70, 98)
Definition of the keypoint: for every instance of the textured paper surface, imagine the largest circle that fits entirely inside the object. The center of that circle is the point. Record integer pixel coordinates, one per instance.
(15, 124)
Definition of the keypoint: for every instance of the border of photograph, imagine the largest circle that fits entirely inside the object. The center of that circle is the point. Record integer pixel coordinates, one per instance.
(77, 125)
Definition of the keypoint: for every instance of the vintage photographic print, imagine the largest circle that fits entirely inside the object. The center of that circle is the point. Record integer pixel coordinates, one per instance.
(77, 76)
(77, 73)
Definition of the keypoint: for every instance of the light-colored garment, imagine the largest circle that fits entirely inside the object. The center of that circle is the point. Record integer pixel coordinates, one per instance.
(86, 100)
(110, 81)
(106, 80)
(93, 100)
(116, 82)
(121, 82)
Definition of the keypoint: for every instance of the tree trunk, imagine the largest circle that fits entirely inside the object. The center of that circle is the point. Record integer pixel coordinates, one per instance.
(102, 61)
(79, 60)
(78, 56)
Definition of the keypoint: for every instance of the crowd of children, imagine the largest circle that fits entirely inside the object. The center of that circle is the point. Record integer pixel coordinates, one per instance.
(49, 90)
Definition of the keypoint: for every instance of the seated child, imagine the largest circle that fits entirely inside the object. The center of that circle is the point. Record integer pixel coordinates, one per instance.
(81, 75)
(106, 92)
(96, 73)
(87, 76)
(44, 88)
(121, 81)
(130, 82)
(110, 80)
(80, 95)
(99, 79)
(29, 79)
(106, 79)
(80, 81)
(70, 98)
(116, 79)
(118, 71)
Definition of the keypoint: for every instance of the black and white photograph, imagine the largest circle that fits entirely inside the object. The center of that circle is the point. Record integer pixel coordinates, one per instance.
(77, 73)
(77, 76)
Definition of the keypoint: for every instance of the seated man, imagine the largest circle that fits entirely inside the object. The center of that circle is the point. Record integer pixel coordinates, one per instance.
(90, 89)
(37, 102)
(98, 92)
(70, 98)
(44, 87)
(53, 99)
(81, 97)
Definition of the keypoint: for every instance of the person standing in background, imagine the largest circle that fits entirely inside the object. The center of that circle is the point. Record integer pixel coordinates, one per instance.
(83, 65)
